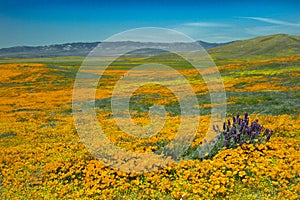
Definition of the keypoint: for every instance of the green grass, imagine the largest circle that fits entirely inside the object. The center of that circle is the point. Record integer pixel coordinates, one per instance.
(272, 103)
(264, 47)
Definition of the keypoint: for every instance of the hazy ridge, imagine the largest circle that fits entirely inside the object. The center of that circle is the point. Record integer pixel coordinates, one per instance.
(78, 49)
(277, 45)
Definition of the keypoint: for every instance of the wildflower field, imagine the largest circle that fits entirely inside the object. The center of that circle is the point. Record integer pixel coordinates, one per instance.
(42, 157)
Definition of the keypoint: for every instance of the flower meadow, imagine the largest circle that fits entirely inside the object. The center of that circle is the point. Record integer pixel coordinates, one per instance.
(255, 154)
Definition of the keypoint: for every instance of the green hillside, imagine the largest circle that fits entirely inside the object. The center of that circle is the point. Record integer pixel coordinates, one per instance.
(278, 45)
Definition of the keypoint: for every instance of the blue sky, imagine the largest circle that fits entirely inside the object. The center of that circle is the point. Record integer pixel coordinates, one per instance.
(40, 22)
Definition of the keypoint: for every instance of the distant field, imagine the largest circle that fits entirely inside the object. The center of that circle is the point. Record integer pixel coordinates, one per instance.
(42, 156)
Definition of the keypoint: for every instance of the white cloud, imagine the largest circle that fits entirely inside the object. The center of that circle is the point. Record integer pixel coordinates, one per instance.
(273, 21)
(212, 34)
(273, 29)
(205, 24)
(236, 29)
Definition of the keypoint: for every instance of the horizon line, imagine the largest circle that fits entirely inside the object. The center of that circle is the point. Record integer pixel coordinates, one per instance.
(86, 42)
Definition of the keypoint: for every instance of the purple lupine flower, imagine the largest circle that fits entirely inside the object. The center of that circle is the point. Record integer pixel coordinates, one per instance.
(233, 131)
(240, 121)
(239, 131)
(254, 126)
(253, 135)
(260, 128)
(218, 128)
(235, 139)
(242, 126)
(215, 129)
(247, 130)
(251, 129)
(267, 131)
(226, 136)
(246, 121)
(227, 144)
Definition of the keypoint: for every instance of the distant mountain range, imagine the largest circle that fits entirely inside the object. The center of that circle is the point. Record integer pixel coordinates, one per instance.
(264, 46)
(78, 49)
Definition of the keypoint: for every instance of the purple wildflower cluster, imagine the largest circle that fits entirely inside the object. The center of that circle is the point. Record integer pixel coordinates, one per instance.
(234, 133)
(240, 131)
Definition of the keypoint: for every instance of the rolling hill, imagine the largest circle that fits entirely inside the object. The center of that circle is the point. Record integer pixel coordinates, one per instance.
(278, 45)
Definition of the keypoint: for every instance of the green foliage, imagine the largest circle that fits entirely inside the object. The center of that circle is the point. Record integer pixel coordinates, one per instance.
(278, 45)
